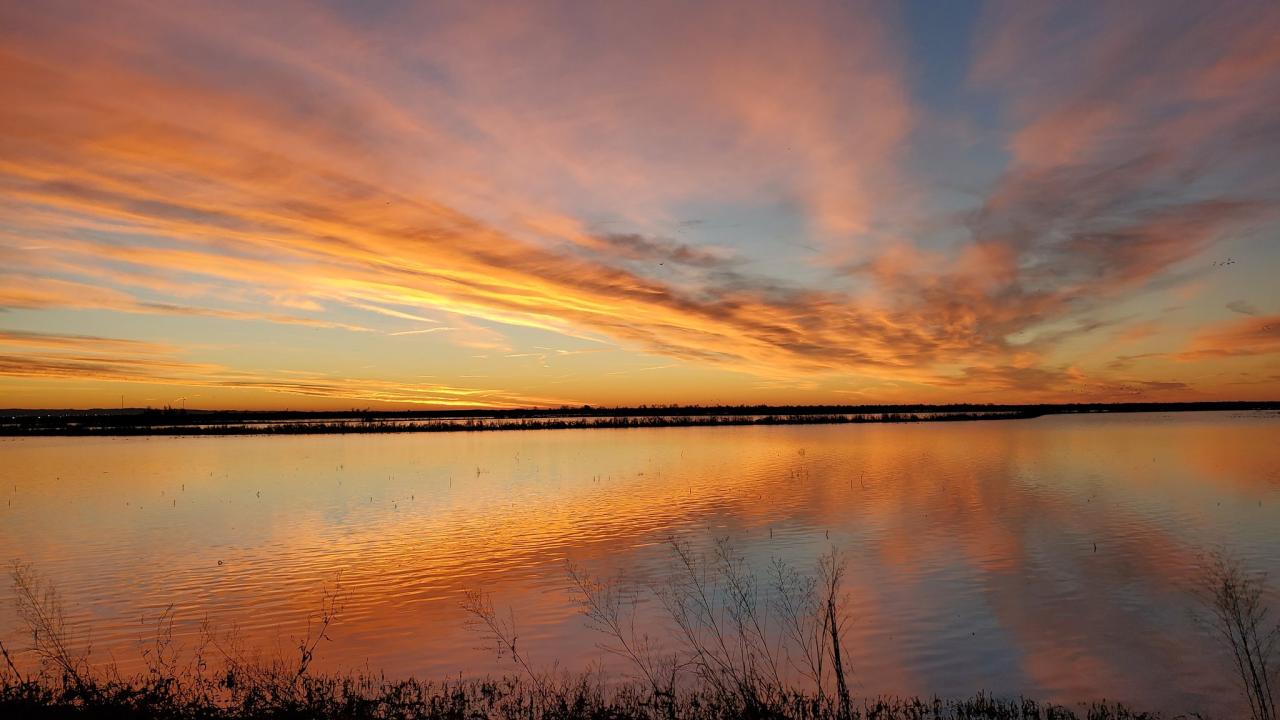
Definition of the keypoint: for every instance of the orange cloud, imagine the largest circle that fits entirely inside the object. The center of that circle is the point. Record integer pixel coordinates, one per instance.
(454, 185)
(103, 359)
(1237, 338)
(83, 343)
(41, 293)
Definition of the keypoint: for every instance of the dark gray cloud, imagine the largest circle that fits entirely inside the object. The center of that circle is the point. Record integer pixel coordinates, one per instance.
(634, 246)
(1242, 307)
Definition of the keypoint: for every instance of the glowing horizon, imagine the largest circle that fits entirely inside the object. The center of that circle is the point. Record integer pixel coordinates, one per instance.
(336, 205)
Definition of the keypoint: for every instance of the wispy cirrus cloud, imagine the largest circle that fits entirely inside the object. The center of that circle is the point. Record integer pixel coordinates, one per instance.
(453, 181)
(1248, 336)
(89, 343)
(405, 251)
(37, 293)
(45, 356)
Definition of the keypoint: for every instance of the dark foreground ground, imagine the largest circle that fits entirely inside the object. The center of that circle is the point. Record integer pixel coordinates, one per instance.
(357, 698)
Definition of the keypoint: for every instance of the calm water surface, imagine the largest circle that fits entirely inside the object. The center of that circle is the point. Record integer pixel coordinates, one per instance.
(1054, 557)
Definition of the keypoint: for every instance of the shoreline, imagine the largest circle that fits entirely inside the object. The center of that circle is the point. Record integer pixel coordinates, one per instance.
(171, 422)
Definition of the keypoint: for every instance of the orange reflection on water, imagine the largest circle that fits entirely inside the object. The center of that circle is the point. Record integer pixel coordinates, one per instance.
(1052, 557)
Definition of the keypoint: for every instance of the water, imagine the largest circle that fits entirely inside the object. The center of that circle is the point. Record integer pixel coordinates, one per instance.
(1053, 557)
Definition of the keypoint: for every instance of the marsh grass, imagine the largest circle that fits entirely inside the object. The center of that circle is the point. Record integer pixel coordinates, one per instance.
(748, 642)
(1237, 611)
(737, 655)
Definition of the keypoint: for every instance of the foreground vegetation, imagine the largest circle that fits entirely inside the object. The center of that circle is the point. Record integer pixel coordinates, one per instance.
(357, 697)
(735, 656)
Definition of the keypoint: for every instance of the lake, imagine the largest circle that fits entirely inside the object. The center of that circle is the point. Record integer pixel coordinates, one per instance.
(1055, 557)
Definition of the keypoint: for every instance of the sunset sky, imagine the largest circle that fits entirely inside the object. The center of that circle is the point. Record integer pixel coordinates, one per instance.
(488, 204)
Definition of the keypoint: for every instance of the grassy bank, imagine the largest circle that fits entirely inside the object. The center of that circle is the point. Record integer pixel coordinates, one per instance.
(357, 697)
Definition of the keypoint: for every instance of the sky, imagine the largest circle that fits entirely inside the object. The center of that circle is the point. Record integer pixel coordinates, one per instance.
(499, 204)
